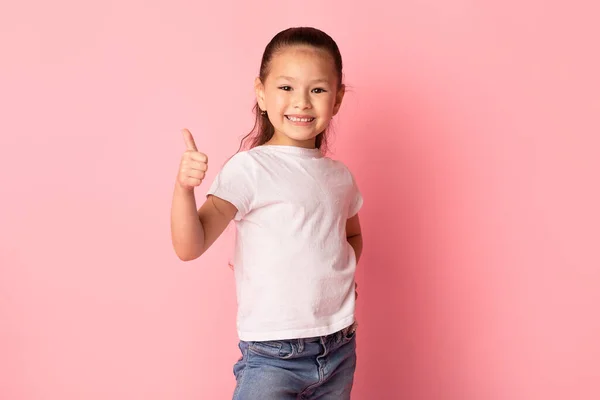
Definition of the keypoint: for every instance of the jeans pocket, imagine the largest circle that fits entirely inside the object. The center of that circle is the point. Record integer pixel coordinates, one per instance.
(240, 364)
(272, 348)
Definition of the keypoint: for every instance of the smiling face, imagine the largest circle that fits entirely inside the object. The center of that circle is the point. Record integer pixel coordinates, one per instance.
(301, 94)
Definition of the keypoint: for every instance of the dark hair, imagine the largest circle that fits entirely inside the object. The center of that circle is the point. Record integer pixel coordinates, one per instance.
(263, 130)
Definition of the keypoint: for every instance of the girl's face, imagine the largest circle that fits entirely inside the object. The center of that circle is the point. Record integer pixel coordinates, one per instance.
(300, 95)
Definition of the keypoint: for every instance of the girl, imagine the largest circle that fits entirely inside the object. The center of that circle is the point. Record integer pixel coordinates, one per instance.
(298, 233)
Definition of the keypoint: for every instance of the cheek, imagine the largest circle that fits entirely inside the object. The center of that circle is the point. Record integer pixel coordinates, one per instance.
(326, 104)
(277, 102)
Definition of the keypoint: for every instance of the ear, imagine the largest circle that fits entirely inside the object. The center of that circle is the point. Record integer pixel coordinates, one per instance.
(338, 99)
(259, 89)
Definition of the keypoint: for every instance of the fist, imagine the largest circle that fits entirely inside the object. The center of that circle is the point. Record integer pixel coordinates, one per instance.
(193, 164)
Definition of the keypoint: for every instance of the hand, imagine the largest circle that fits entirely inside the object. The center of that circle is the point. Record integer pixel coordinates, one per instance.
(193, 164)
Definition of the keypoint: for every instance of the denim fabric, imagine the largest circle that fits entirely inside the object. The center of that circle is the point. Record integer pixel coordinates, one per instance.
(298, 369)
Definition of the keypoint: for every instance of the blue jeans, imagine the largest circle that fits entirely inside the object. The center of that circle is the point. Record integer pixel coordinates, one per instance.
(298, 369)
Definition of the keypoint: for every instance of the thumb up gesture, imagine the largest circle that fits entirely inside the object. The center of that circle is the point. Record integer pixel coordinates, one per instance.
(193, 164)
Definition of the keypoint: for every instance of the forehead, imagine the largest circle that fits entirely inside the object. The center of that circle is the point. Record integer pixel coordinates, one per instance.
(302, 62)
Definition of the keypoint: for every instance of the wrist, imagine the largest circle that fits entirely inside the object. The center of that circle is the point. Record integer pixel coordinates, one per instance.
(185, 190)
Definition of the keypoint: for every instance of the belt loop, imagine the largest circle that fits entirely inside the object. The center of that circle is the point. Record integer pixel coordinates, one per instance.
(300, 345)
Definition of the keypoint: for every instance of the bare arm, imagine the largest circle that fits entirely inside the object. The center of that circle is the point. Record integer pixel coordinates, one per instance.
(194, 231)
(354, 235)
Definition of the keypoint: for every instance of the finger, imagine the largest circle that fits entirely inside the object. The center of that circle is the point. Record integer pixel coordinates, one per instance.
(197, 156)
(189, 140)
(193, 181)
(196, 174)
(197, 165)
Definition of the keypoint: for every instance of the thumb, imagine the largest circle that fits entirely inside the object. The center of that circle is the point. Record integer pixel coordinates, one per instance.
(189, 140)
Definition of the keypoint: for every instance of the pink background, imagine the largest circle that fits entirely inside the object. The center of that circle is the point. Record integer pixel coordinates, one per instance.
(472, 129)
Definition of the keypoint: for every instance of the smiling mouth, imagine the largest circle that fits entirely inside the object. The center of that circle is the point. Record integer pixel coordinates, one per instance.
(299, 119)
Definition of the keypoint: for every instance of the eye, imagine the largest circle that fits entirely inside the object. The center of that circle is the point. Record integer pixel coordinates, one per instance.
(319, 90)
(286, 88)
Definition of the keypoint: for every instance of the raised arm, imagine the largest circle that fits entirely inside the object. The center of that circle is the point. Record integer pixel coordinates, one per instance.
(194, 230)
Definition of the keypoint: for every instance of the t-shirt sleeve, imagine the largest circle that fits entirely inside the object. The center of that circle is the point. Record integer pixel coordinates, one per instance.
(356, 199)
(235, 184)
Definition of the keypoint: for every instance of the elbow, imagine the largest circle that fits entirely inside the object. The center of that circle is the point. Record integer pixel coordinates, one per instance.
(186, 255)
(185, 250)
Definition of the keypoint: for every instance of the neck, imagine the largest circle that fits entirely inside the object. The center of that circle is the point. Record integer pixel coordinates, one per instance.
(280, 140)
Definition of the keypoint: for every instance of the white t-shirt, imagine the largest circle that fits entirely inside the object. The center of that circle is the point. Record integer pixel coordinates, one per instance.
(294, 267)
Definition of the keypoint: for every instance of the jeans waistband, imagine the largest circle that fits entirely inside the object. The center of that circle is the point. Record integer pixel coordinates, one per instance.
(343, 332)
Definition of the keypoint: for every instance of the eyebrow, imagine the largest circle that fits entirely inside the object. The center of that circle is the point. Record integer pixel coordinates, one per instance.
(320, 80)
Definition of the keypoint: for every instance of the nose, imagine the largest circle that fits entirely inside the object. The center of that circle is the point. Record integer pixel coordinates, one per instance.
(302, 100)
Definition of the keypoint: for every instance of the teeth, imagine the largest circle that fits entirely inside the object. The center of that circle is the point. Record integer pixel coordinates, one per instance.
(294, 119)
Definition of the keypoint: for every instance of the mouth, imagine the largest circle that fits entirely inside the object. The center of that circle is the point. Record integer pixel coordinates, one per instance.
(300, 119)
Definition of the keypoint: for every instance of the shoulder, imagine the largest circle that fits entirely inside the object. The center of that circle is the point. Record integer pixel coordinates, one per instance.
(339, 165)
(257, 159)
(239, 157)
(248, 163)
(242, 159)
(248, 156)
